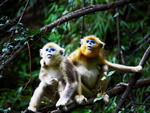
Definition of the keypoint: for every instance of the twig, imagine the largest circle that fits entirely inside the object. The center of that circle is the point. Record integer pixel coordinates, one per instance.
(145, 57)
(133, 103)
(147, 41)
(147, 36)
(3, 3)
(29, 56)
(26, 84)
(12, 57)
(120, 52)
(23, 11)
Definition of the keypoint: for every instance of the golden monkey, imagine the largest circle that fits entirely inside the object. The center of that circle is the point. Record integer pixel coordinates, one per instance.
(57, 75)
(91, 65)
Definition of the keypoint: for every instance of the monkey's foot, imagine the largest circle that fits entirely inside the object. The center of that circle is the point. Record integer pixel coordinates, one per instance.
(80, 99)
(29, 111)
(32, 109)
(61, 103)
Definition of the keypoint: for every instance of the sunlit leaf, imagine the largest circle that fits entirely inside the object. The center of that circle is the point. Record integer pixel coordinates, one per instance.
(99, 97)
(116, 14)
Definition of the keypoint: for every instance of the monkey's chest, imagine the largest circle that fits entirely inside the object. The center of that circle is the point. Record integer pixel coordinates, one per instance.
(55, 74)
(89, 75)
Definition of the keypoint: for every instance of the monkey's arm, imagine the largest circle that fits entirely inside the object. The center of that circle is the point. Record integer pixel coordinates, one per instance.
(82, 88)
(80, 98)
(37, 96)
(73, 56)
(70, 74)
(130, 69)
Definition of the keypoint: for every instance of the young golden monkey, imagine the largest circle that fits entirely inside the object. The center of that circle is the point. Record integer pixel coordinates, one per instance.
(91, 65)
(57, 75)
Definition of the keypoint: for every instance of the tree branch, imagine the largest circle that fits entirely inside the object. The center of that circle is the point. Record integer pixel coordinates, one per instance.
(145, 57)
(119, 89)
(70, 16)
(85, 11)
(133, 81)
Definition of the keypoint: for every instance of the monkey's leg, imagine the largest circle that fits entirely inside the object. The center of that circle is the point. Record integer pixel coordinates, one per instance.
(130, 69)
(37, 96)
(80, 98)
(66, 94)
(101, 86)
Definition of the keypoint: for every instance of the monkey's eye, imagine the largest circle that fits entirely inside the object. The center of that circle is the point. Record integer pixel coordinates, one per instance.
(93, 42)
(46, 49)
(52, 49)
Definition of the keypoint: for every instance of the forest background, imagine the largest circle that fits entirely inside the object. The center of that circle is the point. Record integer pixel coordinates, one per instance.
(124, 26)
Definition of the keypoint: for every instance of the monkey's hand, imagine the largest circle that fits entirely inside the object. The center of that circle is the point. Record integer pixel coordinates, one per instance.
(51, 81)
(80, 99)
(138, 68)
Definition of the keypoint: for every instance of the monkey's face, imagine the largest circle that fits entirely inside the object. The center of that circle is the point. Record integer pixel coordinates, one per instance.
(91, 46)
(51, 52)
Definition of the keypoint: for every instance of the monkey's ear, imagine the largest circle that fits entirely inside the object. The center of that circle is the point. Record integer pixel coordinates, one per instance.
(102, 46)
(41, 55)
(62, 51)
(81, 41)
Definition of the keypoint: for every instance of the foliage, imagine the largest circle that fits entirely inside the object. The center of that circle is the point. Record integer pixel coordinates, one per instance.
(21, 78)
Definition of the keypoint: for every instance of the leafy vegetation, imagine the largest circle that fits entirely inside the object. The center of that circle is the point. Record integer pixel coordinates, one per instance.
(20, 78)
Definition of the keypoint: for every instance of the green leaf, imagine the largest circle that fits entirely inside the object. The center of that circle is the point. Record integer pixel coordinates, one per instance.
(116, 14)
(65, 12)
(19, 39)
(1, 76)
(13, 28)
(99, 97)
(1, 24)
(6, 50)
(19, 90)
(103, 78)
(110, 73)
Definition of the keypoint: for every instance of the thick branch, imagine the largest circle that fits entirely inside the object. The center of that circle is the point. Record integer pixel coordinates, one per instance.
(119, 89)
(85, 11)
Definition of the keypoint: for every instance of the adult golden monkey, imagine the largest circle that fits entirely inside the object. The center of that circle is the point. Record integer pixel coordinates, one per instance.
(58, 78)
(91, 65)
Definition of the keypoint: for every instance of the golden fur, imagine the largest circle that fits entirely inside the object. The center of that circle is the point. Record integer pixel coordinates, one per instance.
(91, 65)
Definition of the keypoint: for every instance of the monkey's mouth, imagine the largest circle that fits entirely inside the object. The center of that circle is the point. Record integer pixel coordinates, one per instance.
(49, 55)
(89, 47)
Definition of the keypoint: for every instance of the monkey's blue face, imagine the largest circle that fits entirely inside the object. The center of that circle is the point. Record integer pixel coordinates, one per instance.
(50, 52)
(90, 44)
